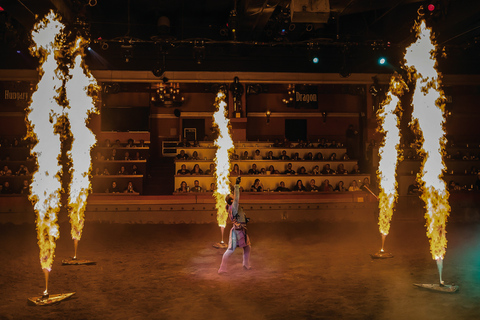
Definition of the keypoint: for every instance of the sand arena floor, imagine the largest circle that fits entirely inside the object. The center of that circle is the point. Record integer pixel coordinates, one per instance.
(314, 270)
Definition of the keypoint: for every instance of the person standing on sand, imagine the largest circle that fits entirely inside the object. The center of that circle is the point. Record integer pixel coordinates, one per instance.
(238, 234)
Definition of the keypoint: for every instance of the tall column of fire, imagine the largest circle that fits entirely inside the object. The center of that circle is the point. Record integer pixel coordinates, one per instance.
(42, 117)
(224, 144)
(81, 105)
(428, 118)
(389, 153)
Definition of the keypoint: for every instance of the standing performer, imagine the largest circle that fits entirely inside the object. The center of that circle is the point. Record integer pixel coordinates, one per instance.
(238, 233)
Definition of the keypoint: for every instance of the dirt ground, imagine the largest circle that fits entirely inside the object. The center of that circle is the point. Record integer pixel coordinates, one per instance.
(314, 270)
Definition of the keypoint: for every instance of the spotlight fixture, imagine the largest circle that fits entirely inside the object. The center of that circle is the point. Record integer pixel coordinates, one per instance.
(268, 114)
(382, 61)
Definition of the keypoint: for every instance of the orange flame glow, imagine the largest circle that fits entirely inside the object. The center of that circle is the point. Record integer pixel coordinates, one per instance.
(43, 114)
(81, 106)
(389, 153)
(225, 146)
(428, 117)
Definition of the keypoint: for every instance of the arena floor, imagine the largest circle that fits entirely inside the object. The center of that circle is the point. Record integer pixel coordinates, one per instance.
(313, 270)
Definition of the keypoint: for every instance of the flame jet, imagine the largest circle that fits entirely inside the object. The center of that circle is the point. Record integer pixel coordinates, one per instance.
(43, 113)
(428, 121)
(81, 105)
(390, 155)
(225, 146)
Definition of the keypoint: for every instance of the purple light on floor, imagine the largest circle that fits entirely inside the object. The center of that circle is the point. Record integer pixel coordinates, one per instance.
(18, 51)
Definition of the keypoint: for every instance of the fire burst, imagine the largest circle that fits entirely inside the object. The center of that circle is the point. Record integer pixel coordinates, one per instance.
(44, 111)
(81, 106)
(428, 117)
(225, 146)
(389, 154)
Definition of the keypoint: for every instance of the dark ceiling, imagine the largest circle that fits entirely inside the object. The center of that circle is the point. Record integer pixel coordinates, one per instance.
(248, 35)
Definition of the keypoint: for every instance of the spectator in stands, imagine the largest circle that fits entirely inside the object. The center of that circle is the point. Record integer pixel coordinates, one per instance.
(257, 186)
(253, 169)
(107, 143)
(333, 157)
(6, 188)
(341, 169)
(345, 157)
(301, 144)
(105, 171)
(234, 155)
(211, 170)
(452, 186)
(333, 144)
(414, 189)
(196, 170)
(299, 186)
(270, 156)
(263, 171)
(318, 156)
(311, 186)
(296, 156)
(257, 155)
(142, 144)
(22, 170)
(130, 143)
(286, 143)
(284, 156)
(322, 143)
(25, 189)
(183, 188)
(302, 170)
(245, 156)
(182, 155)
(281, 187)
(195, 143)
(289, 169)
(117, 143)
(315, 170)
(135, 171)
(183, 170)
(326, 186)
(308, 156)
(365, 184)
(355, 170)
(138, 156)
(99, 156)
(327, 169)
(184, 143)
(113, 156)
(195, 156)
(213, 187)
(308, 144)
(126, 156)
(113, 188)
(353, 186)
(129, 188)
(277, 144)
(236, 170)
(122, 171)
(340, 187)
(6, 171)
(196, 187)
(96, 171)
(272, 170)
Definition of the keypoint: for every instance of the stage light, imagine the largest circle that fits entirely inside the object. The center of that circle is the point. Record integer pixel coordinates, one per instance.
(18, 51)
(89, 48)
(431, 7)
(315, 60)
(1, 9)
(382, 61)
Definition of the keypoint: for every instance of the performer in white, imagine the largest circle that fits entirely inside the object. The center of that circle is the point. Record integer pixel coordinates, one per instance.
(238, 233)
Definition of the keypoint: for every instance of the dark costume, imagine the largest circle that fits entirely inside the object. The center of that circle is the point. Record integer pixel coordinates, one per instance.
(238, 234)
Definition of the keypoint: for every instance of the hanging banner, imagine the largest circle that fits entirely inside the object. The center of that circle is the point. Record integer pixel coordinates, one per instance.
(306, 97)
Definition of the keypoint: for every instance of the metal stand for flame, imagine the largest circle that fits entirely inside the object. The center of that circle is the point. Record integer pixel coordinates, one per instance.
(221, 244)
(74, 260)
(47, 299)
(382, 254)
(441, 286)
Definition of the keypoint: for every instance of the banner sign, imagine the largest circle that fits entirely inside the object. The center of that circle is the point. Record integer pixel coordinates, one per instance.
(306, 97)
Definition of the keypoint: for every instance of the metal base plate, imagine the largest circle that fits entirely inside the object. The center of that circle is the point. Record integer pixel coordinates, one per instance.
(437, 287)
(381, 255)
(72, 261)
(50, 299)
(220, 245)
